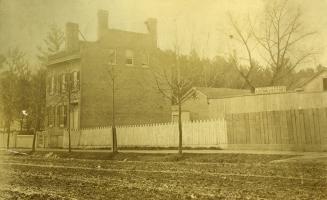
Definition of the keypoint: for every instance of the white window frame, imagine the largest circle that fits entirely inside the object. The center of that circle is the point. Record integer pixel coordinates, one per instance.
(127, 57)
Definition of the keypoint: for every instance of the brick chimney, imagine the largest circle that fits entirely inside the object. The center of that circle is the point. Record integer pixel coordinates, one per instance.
(151, 25)
(102, 22)
(72, 41)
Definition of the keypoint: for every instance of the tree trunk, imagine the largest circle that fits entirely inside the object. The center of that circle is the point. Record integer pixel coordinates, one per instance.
(180, 128)
(114, 140)
(114, 135)
(8, 138)
(34, 139)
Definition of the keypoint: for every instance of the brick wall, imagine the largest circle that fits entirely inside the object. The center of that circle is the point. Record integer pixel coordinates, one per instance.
(137, 98)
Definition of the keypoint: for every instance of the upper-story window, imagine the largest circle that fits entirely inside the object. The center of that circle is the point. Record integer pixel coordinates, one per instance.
(51, 115)
(324, 81)
(129, 54)
(75, 80)
(63, 83)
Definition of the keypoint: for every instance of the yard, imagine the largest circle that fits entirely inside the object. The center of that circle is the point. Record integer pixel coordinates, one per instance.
(160, 176)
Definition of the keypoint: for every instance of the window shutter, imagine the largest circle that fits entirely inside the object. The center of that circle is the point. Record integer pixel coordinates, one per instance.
(52, 85)
(325, 84)
(48, 84)
(78, 80)
(58, 116)
(55, 84)
(66, 81)
(48, 116)
(65, 116)
(60, 83)
(53, 112)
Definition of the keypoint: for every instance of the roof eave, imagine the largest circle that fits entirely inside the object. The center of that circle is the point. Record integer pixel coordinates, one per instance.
(64, 59)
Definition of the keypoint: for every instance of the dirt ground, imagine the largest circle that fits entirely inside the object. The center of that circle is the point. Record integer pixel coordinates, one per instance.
(165, 176)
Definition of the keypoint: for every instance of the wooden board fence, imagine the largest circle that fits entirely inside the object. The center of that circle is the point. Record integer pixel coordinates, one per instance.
(301, 129)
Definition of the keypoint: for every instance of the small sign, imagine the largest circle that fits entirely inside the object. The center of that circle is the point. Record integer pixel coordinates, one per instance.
(270, 90)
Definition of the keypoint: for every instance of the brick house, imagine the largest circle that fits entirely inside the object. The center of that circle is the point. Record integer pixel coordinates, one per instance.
(84, 70)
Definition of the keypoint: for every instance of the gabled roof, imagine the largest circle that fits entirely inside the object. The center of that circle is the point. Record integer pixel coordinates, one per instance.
(304, 81)
(217, 93)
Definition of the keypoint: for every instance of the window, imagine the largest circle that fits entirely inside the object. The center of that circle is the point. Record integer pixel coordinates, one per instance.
(75, 77)
(62, 83)
(129, 57)
(324, 84)
(62, 115)
(51, 119)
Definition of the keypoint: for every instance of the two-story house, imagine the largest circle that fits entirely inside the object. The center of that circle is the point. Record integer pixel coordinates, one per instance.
(80, 84)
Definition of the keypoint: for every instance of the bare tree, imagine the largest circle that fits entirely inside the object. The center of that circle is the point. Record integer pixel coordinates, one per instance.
(280, 39)
(173, 83)
(243, 37)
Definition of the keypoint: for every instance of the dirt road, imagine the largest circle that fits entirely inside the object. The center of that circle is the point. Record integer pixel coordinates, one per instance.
(40, 177)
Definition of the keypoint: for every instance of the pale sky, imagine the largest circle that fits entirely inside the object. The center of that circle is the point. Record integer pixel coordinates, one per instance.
(202, 24)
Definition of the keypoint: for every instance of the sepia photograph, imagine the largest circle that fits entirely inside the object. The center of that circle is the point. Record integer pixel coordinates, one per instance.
(163, 99)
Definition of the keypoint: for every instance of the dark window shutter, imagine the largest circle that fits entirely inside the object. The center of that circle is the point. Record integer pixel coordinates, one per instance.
(65, 115)
(58, 116)
(72, 80)
(53, 112)
(48, 116)
(60, 83)
(66, 81)
(55, 83)
(325, 84)
(78, 80)
(78, 76)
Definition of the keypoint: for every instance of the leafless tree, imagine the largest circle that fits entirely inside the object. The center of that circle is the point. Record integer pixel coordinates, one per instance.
(173, 83)
(280, 39)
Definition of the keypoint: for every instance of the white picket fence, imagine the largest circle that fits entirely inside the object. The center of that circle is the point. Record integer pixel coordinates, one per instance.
(210, 133)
